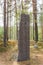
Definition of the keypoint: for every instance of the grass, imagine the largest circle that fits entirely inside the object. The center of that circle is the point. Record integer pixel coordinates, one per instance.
(11, 44)
(4, 49)
(34, 60)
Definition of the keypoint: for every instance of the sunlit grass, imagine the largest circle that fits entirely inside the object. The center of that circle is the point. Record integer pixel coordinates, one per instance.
(4, 49)
(11, 44)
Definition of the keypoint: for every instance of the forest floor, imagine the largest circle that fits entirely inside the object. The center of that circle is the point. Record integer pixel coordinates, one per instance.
(9, 57)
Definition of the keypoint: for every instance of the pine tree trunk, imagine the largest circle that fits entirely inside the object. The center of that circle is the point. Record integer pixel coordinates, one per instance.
(35, 18)
(24, 38)
(5, 28)
(7, 20)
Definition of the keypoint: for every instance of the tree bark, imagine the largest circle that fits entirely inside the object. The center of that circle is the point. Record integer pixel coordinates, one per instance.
(35, 18)
(24, 38)
(5, 28)
(7, 20)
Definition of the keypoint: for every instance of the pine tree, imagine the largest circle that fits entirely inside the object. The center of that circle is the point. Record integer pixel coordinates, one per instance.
(5, 25)
(34, 2)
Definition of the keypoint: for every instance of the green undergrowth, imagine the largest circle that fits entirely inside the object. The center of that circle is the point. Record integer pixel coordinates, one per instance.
(12, 44)
(40, 44)
(4, 49)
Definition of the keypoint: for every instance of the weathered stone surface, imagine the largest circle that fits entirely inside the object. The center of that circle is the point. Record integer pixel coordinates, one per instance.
(24, 38)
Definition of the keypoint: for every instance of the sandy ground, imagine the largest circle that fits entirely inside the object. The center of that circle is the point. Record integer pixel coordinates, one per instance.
(36, 58)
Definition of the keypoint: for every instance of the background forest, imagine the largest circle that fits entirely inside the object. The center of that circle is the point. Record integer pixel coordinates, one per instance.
(12, 13)
(10, 17)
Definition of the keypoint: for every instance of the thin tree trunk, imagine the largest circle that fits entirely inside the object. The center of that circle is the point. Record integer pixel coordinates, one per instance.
(33, 30)
(42, 19)
(16, 20)
(5, 28)
(10, 20)
(35, 18)
(42, 25)
(7, 20)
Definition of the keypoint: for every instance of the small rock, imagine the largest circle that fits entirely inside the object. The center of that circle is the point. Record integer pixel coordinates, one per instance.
(35, 46)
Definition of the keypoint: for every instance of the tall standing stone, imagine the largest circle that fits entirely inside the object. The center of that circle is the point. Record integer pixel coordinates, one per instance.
(24, 38)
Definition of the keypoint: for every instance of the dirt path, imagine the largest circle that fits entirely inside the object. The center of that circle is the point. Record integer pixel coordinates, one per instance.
(36, 58)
